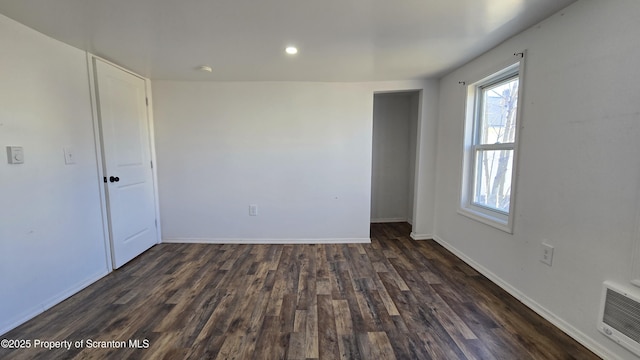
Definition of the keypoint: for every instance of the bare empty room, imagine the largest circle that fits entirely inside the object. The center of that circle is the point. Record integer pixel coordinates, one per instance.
(320, 179)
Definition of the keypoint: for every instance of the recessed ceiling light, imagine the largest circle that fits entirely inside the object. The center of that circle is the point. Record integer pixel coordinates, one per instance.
(291, 50)
(205, 68)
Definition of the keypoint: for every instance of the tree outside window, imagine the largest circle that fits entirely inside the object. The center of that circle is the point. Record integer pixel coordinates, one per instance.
(496, 128)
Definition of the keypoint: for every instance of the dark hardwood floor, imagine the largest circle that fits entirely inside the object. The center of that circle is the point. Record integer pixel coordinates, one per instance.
(393, 298)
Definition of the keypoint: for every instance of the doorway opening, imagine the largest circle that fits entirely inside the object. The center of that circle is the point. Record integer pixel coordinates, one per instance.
(395, 134)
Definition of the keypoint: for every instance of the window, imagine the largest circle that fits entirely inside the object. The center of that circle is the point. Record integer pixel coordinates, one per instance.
(490, 148)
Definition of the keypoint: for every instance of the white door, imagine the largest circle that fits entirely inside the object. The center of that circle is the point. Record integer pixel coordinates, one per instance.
(122, 111)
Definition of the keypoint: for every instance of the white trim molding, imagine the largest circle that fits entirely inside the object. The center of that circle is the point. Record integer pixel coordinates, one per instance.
(388, 220)
(53, 301)
(415, 236)
(635, 262)
(557, 321)
(265, 241)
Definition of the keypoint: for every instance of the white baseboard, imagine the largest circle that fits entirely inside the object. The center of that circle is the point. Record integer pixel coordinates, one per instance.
(567, 328)
(265, 241)
(415, 236)
(388, 220)
(48, 304)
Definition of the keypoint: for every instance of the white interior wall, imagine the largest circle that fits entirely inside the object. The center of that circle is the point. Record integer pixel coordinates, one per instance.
(425, 172)
(51, 233)
(300, 151)
(414, 106)
(392, 168)
(579, 169)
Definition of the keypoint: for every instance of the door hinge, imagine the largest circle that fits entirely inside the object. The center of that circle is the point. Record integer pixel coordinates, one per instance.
(147, 101)
(152, 164)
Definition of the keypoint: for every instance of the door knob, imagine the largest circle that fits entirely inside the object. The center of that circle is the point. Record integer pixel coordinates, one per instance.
(114, 179)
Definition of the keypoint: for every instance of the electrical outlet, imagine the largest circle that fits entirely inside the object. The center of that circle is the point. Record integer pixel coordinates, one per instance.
(253, 210)
(547, 254)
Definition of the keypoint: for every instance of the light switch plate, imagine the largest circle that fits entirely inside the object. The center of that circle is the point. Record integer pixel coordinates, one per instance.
(547, 254)
(69, 155)
(15, 155)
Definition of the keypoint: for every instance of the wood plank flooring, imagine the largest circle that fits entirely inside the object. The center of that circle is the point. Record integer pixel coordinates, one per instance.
(392, 299)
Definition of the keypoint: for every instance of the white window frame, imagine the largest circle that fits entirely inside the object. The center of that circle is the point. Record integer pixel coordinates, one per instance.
(496, 218)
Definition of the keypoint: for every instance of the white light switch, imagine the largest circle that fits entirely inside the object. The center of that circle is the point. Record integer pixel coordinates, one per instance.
(69, 157)
(15, 154)
(547, 254)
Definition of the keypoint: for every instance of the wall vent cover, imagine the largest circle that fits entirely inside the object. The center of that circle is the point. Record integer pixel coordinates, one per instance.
(620, 316)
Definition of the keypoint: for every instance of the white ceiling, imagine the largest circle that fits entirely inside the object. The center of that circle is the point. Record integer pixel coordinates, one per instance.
(244, 40)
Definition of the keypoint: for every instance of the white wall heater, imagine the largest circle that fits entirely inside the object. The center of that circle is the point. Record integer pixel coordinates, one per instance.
(620, 316)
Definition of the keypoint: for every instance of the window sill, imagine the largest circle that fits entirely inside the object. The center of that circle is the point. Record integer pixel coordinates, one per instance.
(486, 219)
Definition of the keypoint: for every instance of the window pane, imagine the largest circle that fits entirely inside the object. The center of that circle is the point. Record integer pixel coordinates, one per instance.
(492, 187)
(499, 109)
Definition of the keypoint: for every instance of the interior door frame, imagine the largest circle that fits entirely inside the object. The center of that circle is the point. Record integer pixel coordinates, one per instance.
(416, 173)
(99, 154)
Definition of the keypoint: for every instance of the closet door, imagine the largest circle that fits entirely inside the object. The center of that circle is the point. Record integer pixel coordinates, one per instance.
(122, 112)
